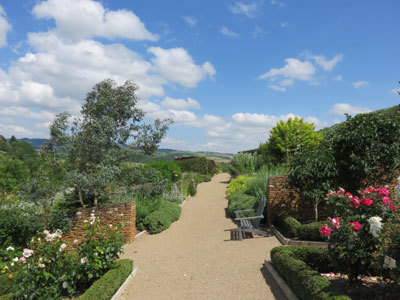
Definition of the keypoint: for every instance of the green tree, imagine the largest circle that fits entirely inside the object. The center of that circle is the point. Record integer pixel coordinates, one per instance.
(3, 144)
(12, 173)
(96, 143)
(290, 137)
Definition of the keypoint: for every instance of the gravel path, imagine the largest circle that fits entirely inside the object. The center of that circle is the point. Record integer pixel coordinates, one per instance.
(196, 258)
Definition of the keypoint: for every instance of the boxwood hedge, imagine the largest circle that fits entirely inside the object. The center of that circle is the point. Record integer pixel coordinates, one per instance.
(162, 218)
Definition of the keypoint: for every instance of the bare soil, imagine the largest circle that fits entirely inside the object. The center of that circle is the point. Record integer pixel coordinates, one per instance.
(199, 256)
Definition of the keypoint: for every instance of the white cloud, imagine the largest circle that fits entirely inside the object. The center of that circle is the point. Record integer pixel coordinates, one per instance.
(346, 108)
(177, 65)
(277, 88)
(180, 103)
(284, 24)
(249, 10)
(293, 69)
(276, 2)
(338, 78)
(395, 91)
(24, 112)
(192, 21)
(18, 131)
(4, 27)
(257, 32)
(225, 31)
(359, 84)
(327, 65)
(78, 19)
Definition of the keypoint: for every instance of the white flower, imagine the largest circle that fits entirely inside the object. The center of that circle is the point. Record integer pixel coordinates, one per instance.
(41, 265)
(10, 248)
(83, 260)
(69, 190)
(12, 264)
(375, 226)
(62, 247)
(15, 259)
(27, 252)
(75, 241)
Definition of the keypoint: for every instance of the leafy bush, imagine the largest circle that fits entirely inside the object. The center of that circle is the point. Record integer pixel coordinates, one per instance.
(240, 201)
(162, 218)
(292, 228)
(300, 267)
(194, 164)
(241, 163)
(192, 188)
(310, 232)
(211, 167)
(105, 287)
(144, 207)
(236, 185)
(287, 225)
(169, 170)
(7, 285)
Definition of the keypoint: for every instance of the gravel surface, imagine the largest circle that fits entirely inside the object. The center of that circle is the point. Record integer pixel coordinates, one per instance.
(199, 258)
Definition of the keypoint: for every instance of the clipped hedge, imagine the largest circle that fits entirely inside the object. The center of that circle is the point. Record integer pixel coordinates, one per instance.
(300, 267)
(240, 201)
(194, 164)
(162, 218)
(105, 287)
(292, 228)
(310, 232)
(287, 225)
(169, 169)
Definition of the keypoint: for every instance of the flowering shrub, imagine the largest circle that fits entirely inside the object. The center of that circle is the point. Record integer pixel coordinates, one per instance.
(358, 226)
(50, 268)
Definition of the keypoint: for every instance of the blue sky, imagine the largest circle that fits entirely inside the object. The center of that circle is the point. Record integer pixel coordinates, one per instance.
(225, 71)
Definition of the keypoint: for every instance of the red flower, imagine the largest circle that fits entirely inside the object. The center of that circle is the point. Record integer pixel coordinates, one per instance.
(335, 223)
(366, 202)
(386, 201)
(392, 207)
(383, 192)
(356, 226)
(325, 230)
(355, 201)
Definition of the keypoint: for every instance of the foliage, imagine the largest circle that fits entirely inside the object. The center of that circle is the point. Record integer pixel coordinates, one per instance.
(195, 164)
(168, 169)
(236, 185)
(12, 173)
(289, 226)
(296, 265)
(367, 149)
(162, 218)
(358, 228)
(257, 185)
(95, 144)
(106, 286)
(134, 175)
(192, 188)
(312, 173)
(391, 247)
(310, 232)
(211, 167)
(240, 201)
(294, 135)
(144, 207)
(243, 162)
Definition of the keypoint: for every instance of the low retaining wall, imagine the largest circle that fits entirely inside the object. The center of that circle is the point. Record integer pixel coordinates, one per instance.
(113, 214)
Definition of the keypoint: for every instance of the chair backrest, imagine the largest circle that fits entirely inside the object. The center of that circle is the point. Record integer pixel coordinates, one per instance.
(259, 211)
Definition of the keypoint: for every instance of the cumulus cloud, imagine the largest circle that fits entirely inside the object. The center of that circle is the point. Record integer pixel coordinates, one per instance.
(395, 91)
(359, 84)
(293, 69)
(78, 19)
(192, 21)
(277, 88)
(177, 65)
(338, 78)
(284, 24)
(180, 103)
(346, 108)
(4, 27)
(327, 65)
(249, 10)
(225, 31)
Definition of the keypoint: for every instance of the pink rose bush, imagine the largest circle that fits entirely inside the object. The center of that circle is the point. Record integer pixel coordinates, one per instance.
(356, 235)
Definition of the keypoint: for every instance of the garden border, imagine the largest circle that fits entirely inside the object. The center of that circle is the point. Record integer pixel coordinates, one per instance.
(290, 242)
(290, 295)
(121, 289)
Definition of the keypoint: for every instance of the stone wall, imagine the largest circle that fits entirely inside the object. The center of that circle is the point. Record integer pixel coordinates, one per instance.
(109, 214)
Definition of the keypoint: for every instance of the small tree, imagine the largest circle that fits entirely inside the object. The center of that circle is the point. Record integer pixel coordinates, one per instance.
(288, 138)
(96, 144)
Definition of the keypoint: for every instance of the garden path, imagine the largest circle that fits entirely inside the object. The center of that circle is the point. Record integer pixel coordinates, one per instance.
(196, 258)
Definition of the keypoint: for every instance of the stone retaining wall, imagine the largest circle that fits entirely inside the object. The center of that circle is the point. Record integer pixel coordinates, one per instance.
(109, 214)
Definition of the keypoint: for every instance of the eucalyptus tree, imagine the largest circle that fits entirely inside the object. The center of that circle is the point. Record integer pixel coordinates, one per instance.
(96, 143)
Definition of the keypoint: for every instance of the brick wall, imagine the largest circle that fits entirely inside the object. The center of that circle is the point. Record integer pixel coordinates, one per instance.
(110, 214)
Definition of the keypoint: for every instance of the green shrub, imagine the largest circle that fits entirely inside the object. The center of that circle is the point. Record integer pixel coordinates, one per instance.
(194, 164)
(236, 185)
(211, 167)
(300, 267)
(105, 287)
(192, 188)
(310, 232)
(144, 207)
(7, 297)
(240, 201)
(241, 163)
(7, 285)
(162, 218)
(169, 170)
(287, 225)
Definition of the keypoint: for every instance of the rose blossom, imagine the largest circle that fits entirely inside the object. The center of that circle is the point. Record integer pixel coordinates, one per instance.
(22, 259)
(383, 192)
(355, 201)
(375, 226)
(368, 191)
(341, 191)
(386, 201)
(83, 260)
(27, 252)
(335, 223)
(356, 226)
(366, 202)
(392, 207)
(62, 247)
(325, 230)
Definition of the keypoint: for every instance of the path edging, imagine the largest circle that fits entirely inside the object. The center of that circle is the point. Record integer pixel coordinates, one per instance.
(290, 295)
(121, 289)
(290, 242)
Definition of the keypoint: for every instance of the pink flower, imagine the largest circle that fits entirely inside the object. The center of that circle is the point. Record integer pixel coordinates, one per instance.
(325, 230)
(335, 223)
(27, 252)
(356, 226)
(22, 259)
(349, 194)
(332, 193)
(366, 202)
(386, 201)
(368, 191)
(62, 247)
(355, 201)
(392, 207)
(341, 191)
(383, 192)
(75, 241)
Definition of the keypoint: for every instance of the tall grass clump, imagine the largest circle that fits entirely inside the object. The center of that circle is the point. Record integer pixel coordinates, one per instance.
(257, 185)
(244, 163)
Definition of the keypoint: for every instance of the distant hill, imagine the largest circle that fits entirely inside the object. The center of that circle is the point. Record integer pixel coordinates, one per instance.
(36, 143)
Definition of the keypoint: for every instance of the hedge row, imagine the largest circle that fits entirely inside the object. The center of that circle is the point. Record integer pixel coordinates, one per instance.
(161, 219)
(241, 201)
(292, 228)
(300, 267)
(197, 164)
(107, 285)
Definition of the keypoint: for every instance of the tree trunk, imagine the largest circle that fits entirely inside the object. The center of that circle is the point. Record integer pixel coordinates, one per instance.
(80, 198)
(95, 201)
(316, 210)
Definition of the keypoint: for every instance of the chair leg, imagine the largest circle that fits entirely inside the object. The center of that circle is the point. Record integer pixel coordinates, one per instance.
(240, 233)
